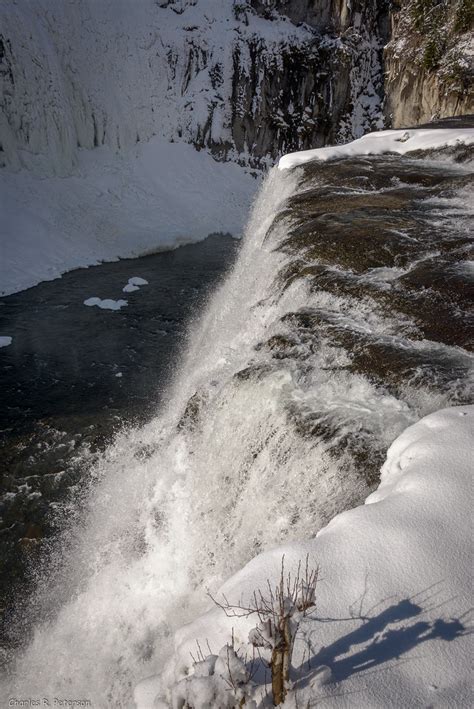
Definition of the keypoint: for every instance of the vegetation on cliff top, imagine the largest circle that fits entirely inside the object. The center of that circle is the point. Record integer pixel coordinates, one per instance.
(436, 36)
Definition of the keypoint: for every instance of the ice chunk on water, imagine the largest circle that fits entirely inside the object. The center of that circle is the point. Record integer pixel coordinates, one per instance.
(134, 283)
(5, 340)
(106, 304)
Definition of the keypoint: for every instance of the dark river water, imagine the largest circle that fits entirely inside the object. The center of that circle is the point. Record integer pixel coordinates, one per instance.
(74, 375)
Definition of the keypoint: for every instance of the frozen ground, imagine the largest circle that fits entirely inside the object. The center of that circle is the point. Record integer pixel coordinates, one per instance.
(387, 141)
(392, 614)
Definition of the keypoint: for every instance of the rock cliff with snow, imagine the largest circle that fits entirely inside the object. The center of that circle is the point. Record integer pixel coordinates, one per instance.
(429, 61)
(246, 80)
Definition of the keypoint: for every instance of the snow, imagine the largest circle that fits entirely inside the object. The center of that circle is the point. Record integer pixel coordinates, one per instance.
(155, 197)
(390, 625)
(388, 141)
(106, 304)
(5, 340)
(134, 283)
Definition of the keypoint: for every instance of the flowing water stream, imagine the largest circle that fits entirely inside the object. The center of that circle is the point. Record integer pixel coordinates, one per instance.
(342, 322)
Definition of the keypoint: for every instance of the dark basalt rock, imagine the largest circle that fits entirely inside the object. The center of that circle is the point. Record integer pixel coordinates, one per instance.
(190, 418)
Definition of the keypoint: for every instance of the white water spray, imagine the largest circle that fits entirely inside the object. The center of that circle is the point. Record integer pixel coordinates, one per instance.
(156, 519)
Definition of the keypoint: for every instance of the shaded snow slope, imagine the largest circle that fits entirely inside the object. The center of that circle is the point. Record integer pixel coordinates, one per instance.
(388, 141)
(157, 196)
(391, 620)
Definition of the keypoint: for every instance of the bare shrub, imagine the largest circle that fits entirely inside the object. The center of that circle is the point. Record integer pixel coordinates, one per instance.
(279, 611)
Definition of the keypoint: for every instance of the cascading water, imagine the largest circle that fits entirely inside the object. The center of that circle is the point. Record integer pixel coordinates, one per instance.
(310, 359)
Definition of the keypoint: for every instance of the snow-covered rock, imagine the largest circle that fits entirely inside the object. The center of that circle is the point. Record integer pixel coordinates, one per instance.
(391, 624)
(387, 141)
(429, 61)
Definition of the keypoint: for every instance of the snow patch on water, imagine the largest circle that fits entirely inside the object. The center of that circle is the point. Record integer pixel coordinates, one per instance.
(106, 303)
(134, 284)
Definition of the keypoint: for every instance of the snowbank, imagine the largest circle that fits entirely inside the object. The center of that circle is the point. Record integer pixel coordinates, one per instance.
(157, 196)
(395, 588)
(386, 141)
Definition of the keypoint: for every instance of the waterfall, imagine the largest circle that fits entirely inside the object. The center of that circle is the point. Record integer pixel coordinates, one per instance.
(268, 430)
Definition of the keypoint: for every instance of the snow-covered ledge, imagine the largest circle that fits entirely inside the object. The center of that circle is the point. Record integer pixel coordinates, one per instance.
(400, 142)
(391, 616)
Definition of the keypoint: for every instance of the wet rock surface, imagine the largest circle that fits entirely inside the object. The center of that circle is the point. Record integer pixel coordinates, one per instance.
(382, 246)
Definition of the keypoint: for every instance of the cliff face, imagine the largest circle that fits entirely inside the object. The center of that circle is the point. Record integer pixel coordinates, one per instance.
(245, 80)
(326, 90)
(429, 61)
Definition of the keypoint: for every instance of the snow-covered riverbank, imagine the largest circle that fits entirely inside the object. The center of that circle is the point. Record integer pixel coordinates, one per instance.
(156, 196)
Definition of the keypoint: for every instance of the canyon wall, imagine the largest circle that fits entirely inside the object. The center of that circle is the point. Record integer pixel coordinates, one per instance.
(429, 61)
(245, 80)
